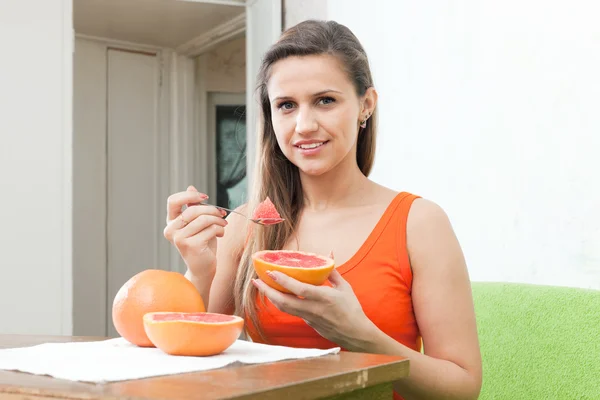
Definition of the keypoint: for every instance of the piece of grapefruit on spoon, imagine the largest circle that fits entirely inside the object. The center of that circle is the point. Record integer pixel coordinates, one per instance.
(305, 267)
(266, 213)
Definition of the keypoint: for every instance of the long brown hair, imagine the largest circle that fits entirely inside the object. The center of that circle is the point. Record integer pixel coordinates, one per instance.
(276, 176)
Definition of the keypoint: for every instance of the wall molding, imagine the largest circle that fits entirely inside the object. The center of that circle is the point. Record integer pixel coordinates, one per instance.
(241, 3)
(122, 44)
(221, 33)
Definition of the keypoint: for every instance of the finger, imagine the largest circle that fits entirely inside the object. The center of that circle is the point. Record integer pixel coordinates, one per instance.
(195, 211)
(201, 230)
(301, 289)
(282, 301)
(176, 201)
(337, 280)
(192, 189)
(191, 214)
(219, 231)
(202, 223)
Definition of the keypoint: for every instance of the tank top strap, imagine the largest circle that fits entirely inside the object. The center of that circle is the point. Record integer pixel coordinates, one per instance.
(387, 237)
(399, 223)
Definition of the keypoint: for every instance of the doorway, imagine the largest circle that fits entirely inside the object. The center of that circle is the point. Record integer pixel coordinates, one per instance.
(142, 116)
(133, 115)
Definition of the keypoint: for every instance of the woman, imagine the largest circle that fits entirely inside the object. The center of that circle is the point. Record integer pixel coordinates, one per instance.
(401, 278)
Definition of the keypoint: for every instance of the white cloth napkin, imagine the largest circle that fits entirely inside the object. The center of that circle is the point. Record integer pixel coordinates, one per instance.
(117, 360)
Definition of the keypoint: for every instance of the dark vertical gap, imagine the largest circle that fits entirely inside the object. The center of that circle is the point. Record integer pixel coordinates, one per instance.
(217, 148)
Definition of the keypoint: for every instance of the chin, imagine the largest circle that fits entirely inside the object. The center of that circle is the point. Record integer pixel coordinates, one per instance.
(313, 170)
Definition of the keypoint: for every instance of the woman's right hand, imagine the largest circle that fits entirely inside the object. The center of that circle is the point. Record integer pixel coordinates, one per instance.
(194, 231)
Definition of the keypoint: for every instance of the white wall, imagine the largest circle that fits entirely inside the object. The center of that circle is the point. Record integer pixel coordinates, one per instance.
(35, 166)
(226, 67)
(295, 11)
(491, 109)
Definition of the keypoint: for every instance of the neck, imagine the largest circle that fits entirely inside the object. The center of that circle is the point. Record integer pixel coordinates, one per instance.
(342, 186)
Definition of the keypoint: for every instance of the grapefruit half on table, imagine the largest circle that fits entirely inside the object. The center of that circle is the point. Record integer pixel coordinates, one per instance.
(305, 267)
(192, 334)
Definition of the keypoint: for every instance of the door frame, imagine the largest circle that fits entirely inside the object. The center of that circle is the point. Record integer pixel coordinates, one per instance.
(217, 99)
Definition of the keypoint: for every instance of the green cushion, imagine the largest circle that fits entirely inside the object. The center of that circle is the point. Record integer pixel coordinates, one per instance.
(538, 342)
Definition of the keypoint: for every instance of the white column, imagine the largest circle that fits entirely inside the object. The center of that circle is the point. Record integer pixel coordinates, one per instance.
(36, 38)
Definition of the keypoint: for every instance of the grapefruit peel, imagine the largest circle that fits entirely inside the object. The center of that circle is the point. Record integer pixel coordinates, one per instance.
(192, 334)
(310, 268)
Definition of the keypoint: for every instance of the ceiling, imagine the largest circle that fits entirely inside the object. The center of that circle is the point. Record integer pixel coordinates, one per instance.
(164, 23)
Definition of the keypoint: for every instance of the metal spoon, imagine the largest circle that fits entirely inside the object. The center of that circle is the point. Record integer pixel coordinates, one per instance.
(260, 221)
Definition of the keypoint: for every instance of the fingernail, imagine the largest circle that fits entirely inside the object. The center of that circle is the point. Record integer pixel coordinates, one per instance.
(254, 282)
(271, 275)
(223, 212)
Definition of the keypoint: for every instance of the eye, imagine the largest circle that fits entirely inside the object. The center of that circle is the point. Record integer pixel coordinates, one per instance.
(285, 105)
(326, 100)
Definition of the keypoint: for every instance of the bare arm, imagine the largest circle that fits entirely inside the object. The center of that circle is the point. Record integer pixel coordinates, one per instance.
(442, 300)
(229, 250)
(209, 245)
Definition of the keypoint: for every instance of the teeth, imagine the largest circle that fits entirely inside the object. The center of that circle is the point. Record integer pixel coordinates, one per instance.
(311, 146)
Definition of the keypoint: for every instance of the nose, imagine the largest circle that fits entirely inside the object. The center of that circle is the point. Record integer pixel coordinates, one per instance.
(306, 122)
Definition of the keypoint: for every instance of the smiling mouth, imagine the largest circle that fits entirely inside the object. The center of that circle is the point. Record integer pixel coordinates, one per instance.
(309, 146)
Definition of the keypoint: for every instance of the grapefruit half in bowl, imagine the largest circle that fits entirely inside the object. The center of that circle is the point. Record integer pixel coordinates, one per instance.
(305, 267)
(192, 334)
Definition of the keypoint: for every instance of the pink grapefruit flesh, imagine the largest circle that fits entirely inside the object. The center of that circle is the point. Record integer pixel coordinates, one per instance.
(192, 317)
(266, 211)
(305, 267)
(295, 259)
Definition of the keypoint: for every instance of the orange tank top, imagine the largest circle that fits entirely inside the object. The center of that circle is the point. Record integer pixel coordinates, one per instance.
(381, 277)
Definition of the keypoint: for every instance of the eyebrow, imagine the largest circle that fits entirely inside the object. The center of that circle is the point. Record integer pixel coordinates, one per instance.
(322, 92)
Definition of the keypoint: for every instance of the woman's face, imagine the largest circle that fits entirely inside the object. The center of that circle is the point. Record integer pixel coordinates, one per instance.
(315, 112)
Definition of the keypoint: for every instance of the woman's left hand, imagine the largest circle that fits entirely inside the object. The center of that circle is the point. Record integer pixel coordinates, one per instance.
(334, 312)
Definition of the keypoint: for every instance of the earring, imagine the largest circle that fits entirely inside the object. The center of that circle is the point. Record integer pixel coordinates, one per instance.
(364, 123)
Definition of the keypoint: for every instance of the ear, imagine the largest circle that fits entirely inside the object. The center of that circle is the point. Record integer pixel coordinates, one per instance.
(369, 101)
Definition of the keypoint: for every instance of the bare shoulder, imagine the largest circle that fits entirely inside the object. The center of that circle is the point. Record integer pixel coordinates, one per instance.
(429, 231)
(425, 213)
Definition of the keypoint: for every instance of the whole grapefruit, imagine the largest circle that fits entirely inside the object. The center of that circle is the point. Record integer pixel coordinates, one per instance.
(152, 290)
(305, 267)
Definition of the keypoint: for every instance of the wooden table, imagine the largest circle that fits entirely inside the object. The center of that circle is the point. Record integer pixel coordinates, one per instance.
(341, 376)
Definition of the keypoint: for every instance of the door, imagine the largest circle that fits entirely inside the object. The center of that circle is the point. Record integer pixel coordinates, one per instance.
(120, 159)
(134, 222)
